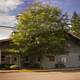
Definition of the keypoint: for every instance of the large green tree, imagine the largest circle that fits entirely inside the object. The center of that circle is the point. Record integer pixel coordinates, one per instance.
(40, 31)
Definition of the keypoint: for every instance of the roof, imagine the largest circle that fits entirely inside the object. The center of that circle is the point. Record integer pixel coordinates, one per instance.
(5, 32)
(9, 27)
(73, 35)
(4, 40)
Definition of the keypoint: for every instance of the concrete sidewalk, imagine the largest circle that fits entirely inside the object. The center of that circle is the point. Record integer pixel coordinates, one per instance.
(7, 71)
(42, 70)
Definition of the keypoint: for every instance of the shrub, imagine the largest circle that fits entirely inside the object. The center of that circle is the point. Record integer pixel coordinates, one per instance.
(59, 65)
(2, 66)
(14, 67)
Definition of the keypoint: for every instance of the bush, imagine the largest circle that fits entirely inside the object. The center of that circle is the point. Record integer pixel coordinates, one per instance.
(2, 66)
(9, 66)
(59, 65)
(36, 66)
(14, 67)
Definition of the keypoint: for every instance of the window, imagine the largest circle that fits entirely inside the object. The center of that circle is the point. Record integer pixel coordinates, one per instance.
(38, 59)
(51, 58)
(8, 59)
(26, 58)
(79, 58)
(2, 58)
(64, 59)
(15, 58)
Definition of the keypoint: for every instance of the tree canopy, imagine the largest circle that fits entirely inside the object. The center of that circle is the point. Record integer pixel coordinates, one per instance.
(75, 21)
(40, 31)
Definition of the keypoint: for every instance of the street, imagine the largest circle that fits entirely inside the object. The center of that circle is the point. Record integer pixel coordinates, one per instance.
(40, 76)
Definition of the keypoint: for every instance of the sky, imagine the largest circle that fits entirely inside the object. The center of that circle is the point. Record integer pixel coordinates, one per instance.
(10, 8)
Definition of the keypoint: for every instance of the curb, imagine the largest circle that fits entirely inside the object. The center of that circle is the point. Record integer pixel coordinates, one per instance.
(49, 70)
(13, 71)
(59, 70)
(5, 71)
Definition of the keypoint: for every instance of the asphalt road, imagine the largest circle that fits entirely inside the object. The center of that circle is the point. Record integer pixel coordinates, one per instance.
(40, 76)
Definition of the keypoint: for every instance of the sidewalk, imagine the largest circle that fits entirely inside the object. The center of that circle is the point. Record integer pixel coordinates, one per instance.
(7, 71)
(42, 70)
(59, 70)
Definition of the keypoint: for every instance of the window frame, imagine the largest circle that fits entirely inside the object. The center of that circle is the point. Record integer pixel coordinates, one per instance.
(51, 58)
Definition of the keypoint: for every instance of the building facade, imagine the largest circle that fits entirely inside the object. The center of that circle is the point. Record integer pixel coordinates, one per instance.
(70, 59)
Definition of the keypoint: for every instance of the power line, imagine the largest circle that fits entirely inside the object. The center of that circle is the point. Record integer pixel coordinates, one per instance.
(8, 27)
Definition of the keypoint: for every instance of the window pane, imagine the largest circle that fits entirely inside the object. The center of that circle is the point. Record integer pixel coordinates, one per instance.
(51, 58)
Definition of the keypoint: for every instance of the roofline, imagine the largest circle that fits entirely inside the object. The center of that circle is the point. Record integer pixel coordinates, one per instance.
(71, 33)
(4, 40)
(8, 27)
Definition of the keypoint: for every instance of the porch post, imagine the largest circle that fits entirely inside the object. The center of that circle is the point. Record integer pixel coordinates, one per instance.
(19, 60)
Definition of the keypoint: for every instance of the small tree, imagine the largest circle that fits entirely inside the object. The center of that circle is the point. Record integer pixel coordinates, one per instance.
(41, 31)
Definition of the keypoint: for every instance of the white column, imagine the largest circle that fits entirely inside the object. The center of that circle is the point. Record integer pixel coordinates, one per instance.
(0, 56)
(10, 58)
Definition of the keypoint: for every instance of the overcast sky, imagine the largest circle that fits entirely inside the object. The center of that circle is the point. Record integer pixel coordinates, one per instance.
(10, 8)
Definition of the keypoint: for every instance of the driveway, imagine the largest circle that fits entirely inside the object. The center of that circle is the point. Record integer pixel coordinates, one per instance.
(40, 76)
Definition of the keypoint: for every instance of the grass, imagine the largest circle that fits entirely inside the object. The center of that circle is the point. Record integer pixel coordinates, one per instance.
(24, 70)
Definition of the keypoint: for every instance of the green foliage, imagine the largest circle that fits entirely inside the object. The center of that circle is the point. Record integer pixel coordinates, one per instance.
(14, 67)
(41, 30)
(76, 24)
